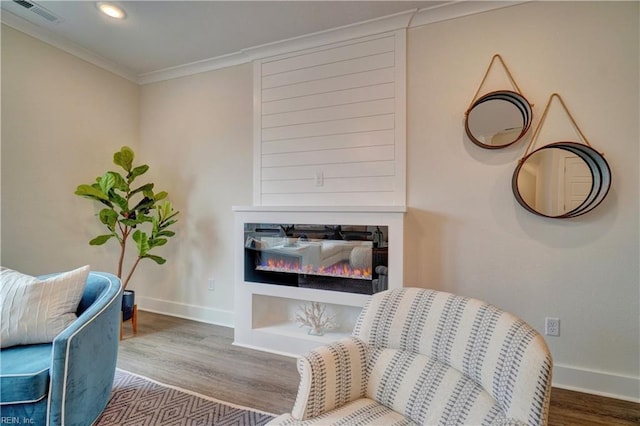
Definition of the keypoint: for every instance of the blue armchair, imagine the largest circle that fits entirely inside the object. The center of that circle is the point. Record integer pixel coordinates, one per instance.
(67, 382)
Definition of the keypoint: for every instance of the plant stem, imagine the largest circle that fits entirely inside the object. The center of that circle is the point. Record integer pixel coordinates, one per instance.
(121, 260)
(123, 248)
(133, 268)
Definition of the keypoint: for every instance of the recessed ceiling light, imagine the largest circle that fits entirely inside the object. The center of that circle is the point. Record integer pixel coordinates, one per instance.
(111, 10)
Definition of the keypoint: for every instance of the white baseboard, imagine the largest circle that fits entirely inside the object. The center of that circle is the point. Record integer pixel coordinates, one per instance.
(597, 382)
(565, 377)
(261, 349)
(182, 310)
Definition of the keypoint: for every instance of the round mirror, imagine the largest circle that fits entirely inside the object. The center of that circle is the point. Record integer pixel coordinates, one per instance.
(498, 119)
(561, 180)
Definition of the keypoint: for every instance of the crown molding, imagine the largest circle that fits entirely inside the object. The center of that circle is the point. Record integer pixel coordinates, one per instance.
(334, 35)
(403, 20)
(307, 41)
(211, 64)
(458, 9)
(407, 19)
(20, 24)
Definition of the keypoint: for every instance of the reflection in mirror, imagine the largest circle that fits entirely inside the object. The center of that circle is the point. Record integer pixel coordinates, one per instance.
(496, 122)
(498, 119)
(554, 181)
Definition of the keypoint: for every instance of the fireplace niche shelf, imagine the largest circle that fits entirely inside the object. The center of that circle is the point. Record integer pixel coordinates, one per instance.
(289, 329)
(272, 324)
(265, 313)
(277, 315)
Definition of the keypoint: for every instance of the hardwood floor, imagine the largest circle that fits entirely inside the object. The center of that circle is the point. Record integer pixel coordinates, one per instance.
(200, 357)
(576, 408)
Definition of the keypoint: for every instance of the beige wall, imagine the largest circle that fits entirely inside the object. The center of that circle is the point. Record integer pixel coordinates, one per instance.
(62, 118)
(198, 131)
(465, 232)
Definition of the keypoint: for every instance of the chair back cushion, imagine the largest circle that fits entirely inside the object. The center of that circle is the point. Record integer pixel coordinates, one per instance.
(498, 351)
(428, 391)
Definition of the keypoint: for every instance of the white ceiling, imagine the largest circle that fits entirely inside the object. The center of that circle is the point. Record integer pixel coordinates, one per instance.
(157, 35)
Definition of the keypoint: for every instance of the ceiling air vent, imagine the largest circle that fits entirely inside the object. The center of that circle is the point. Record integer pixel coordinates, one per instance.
(39, 10)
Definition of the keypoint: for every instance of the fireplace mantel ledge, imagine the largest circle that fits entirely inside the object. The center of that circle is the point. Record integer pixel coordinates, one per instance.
(329, 209)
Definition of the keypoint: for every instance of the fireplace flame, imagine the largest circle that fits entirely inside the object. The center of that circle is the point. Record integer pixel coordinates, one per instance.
(341, 270)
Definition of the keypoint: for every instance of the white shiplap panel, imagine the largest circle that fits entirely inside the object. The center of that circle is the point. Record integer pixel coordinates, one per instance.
(331, 125)
(360, 109)
(335, 127)
(314, 143)
(340, 97)
(367, 63)
(330, 171)
(331, 156)
(356, 184)
(379, 198)
(369, 78)
(328, 54)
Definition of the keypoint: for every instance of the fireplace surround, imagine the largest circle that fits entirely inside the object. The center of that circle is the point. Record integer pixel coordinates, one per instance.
(280, 266)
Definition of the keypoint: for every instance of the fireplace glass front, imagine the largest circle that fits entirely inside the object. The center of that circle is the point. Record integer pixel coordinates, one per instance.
(347, 258)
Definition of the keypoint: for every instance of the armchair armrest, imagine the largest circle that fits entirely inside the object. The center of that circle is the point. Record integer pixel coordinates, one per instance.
(84, 356)
(330, 377)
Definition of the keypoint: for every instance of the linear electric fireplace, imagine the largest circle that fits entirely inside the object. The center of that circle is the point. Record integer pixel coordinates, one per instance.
(346, 258)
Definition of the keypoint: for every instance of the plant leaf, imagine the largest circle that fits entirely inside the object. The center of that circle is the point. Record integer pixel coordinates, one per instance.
(146, 187)
(124, 158)
(148, 193)
(107, 182)
(119, 201)
(119, 183)
(144, 205)
(157, 242)
(100, 240)
(137, 171)
(165, 234)
(108, 217)
(161, 195)
(91, 192)
(167, 224)
(159, 260)
(142, 242)
(172, 215)
(132, 222)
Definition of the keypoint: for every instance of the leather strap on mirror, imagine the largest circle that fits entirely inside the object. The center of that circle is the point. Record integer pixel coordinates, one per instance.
(544, 116)
(486, 74)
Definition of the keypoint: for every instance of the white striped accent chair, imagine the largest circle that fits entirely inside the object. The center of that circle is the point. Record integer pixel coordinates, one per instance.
(424, 357)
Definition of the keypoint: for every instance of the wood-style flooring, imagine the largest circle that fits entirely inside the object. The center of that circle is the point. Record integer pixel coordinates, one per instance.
(201, 358)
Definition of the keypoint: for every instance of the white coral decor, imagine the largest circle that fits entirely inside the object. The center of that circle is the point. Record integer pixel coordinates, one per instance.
(315, 317)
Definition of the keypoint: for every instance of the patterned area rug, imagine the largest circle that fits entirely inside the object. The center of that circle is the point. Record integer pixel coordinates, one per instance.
(137, 400)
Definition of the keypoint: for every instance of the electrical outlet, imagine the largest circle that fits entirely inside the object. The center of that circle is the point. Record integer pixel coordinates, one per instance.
(211, 284)
(552, 326)
(319, 178)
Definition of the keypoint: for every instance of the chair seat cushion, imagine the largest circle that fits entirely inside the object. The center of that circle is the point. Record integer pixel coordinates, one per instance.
(24, 373)
(360, 412)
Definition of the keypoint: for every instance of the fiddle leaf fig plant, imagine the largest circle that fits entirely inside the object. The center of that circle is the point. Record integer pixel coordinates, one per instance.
(130, 211)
